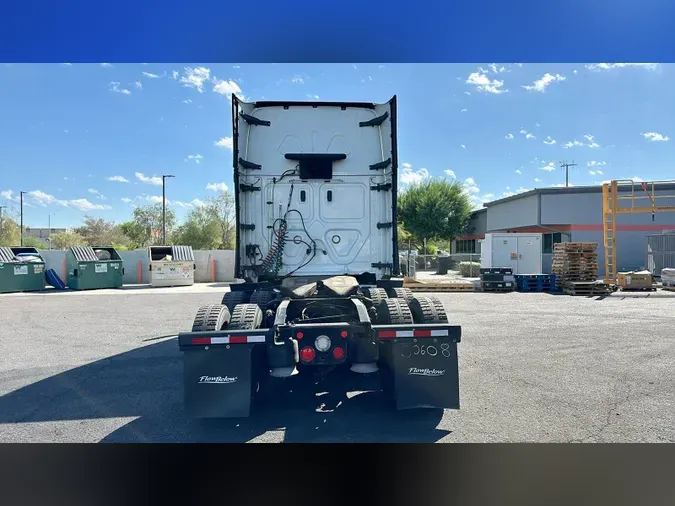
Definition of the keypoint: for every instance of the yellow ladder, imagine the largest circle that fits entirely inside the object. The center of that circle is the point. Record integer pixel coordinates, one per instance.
(609, 208)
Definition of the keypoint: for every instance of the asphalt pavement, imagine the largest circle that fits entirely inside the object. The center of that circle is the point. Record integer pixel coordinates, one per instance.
(105, 367)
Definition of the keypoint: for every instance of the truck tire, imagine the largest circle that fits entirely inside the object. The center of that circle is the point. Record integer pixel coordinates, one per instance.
(262, 298)
(211, 318)
(394, 312)
(427, 310)
(245, 316)
(231, 299)
(375, 294)
(401, 293)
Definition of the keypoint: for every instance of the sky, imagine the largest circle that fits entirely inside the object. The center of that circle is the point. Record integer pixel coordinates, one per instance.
(95, 139)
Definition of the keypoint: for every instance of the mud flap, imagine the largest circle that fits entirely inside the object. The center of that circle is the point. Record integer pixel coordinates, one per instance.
(422, 373)
(219, 382)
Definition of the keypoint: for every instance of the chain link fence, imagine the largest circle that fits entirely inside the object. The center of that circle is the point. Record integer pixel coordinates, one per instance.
(465, 265)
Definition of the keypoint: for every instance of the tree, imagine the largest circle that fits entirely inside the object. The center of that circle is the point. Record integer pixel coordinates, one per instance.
(99, 232)
(145, 229)
(200, 230)
(222, 210)
(34, 242)
(65, 240)
(435, 209)
(9, 232)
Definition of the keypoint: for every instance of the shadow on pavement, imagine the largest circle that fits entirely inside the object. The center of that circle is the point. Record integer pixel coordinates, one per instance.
(147, 383)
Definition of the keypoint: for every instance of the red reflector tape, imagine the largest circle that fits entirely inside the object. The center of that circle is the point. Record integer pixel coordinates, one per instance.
(228, 340)
(391, 334)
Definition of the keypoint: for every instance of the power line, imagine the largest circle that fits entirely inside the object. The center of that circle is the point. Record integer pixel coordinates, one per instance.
(566, 166)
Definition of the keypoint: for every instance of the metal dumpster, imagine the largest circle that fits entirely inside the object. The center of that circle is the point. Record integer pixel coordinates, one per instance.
(92, 268)
(21, 270)
(171, 265)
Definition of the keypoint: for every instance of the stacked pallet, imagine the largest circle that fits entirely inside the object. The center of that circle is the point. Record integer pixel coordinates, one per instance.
(535, 282)
(497, 279)
(575, 265)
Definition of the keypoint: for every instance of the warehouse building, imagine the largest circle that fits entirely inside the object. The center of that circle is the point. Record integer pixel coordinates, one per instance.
(571, 214)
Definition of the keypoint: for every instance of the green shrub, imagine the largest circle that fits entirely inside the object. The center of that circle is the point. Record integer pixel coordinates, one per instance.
(469, 269)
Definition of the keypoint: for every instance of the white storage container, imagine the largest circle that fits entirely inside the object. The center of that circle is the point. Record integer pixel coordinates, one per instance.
(521, 252)
(171, 265)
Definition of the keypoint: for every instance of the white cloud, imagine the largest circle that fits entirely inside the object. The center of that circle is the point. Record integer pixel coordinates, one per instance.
(9, 195)
(195, 78)
(561, 185)
(126, 200)
(226, 88)
(594, 172)
(174, 75)
(450, 173)
(105, 65)
(119, 179)
(236, 66)
(197, 158)
(636, 179)
(297, 80)
(139, 85)
(495, 69)
(156, 180)
(537, 180)
(314, 97)
(217, 187)
(572, 144)
(67, 64)
(541, 84)
(44, 199)
(187, 101)
(508, 136)
(483, 83)
(610, 66)
(655, 137)
(224, 142)
(509, 193)
(470, 181)
(549, 141)
(518, 171)
(593, 163)
(527, 134)
(150, 75)
(463, 110)
(115, 86)
(549, 167)
(574, 71)
(91, 190)
(463, 146)
(410, 176)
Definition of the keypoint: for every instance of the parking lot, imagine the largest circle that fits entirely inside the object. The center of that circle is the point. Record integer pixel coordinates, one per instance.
(104, 366)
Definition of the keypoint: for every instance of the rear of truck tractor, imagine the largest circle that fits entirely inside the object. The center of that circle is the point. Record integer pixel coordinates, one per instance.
(259, 334)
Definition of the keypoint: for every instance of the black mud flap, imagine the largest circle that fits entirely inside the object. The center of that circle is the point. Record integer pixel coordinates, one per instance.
(219, 382)
(421, 373)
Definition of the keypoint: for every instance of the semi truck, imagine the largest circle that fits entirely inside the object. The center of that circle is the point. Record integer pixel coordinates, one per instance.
(315, 187)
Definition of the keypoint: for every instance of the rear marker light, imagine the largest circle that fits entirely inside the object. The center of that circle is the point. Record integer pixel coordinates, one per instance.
(307, 354)
(338, 353)
(343, 334)
(299, 335)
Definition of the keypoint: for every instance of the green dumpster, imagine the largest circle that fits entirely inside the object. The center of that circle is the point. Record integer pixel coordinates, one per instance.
(21, 270)
(93, 268)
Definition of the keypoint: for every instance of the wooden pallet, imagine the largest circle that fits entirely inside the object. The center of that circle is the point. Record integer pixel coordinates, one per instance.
(587, 289)
(417, 286)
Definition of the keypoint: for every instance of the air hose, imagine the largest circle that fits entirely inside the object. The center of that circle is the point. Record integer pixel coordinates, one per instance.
(274, 259)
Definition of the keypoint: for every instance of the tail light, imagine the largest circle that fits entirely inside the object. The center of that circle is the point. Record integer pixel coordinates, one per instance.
(338, 353)
(307, 354)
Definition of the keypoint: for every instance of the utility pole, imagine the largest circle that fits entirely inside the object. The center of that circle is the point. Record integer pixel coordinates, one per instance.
(566, 166)
(21, 194)
(164, 208)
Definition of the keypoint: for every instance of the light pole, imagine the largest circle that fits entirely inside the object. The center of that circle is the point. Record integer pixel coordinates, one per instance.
(49, 233)
(21, 194)
(164, 207)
